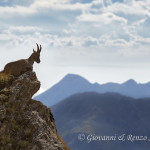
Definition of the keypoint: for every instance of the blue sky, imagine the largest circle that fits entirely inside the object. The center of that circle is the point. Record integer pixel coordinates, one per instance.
(102, 40)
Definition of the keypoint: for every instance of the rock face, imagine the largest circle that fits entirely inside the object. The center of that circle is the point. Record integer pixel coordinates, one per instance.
(26, 124)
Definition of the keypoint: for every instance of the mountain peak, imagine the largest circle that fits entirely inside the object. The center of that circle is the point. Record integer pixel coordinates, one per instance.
(74, 77)
(69, 85)
(71, 75)
(130, 82)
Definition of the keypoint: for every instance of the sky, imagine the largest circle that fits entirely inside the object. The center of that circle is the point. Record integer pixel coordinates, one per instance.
(101, 40)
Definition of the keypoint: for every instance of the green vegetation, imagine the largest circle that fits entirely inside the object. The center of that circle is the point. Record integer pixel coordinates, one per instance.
(14, 125)
(5, 80)
(63, 143)
(5, 140)
(22, 144)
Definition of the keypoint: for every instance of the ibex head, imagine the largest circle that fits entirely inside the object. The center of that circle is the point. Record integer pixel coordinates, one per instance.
(36, 54)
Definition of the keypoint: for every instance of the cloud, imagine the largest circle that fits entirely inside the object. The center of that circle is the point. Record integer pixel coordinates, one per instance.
(105, 18)
(86, 33)
(16, 2)
(132, 7)
(39, 6)
(22, 29)
(143, 26)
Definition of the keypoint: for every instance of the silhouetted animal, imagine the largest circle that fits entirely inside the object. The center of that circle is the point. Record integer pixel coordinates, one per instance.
(21, 66)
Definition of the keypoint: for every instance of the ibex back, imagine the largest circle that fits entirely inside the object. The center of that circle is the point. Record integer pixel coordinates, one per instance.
(21, 66)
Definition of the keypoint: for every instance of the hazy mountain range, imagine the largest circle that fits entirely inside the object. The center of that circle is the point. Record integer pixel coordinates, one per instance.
(106, 114)
(73, 84)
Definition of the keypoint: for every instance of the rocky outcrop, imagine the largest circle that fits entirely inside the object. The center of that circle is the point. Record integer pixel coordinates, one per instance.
(26, 124)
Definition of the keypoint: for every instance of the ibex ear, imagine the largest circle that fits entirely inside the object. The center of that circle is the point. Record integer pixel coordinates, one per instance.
(33, 51)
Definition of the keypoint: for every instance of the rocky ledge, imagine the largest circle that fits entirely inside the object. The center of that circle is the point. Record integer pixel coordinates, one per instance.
(26, 124)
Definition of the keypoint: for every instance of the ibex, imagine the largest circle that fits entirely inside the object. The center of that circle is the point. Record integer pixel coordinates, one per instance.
(21, 66)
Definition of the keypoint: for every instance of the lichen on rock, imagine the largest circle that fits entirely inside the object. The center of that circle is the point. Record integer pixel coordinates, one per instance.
(26, 124)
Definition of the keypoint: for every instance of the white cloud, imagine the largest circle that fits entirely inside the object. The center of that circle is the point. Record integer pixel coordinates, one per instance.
(105, 18)
(22, 29)
(130, 7)
(41, 6)
(15, 10)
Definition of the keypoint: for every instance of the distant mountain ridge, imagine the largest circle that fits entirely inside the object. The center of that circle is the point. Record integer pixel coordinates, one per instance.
(103, 114)
(72, 84)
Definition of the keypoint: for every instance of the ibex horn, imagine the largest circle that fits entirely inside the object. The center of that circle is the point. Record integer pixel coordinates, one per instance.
(40, 48)
(37, 47)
